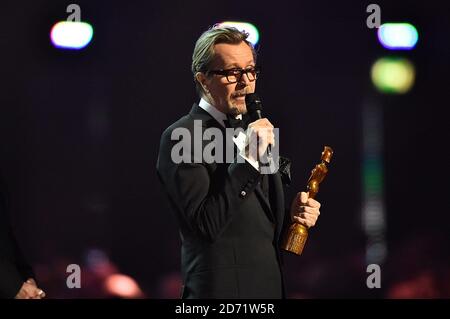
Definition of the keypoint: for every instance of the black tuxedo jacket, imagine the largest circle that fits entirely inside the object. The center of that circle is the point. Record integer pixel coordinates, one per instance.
(14, 270)
(229, 229)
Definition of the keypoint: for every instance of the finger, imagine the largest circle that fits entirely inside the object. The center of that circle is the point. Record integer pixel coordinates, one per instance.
(304, 221)
(265, 122)
(299, 209)
(260, 122)
(268, 131)
(269, 125)
(41, 293)
(311, 210)
(29, 294)
(271, 138)
(313, 203)
(307, 216)
(310, 214)
(28, 288)
(36, 294)
(303, 197)
(262, 131)
(311, 220)
(19, 295)
(266, 139)
(261, 138)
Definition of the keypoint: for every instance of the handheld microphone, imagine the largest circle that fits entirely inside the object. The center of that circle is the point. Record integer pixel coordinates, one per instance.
(254, 105)
(254, 110)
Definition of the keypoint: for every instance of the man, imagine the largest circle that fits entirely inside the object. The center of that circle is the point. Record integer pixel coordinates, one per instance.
(16, 275)
(231, 216)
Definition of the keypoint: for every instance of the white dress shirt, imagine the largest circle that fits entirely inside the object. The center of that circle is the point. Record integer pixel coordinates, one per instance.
(240, 141)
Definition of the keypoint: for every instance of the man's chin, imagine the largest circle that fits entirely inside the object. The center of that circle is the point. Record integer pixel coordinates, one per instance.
(238, 108)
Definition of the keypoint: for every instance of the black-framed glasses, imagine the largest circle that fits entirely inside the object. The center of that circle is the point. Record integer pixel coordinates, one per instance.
(235, 75)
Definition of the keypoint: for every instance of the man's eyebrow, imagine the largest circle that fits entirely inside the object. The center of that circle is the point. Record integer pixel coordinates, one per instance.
(235, 65)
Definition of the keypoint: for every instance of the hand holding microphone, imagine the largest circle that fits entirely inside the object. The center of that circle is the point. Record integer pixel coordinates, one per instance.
(260, 133)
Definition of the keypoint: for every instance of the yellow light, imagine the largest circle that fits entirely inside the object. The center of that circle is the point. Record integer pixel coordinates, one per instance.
(393, 75)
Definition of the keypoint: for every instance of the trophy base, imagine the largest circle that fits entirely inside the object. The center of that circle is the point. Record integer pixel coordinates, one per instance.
(295, 239)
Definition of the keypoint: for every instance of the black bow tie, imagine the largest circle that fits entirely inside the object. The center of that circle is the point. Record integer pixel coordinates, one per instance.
(235, 123)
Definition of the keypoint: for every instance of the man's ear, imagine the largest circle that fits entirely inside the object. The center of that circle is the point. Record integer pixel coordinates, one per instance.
(201, 78)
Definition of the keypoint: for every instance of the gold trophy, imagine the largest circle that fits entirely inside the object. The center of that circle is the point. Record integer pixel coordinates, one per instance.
(297, 234)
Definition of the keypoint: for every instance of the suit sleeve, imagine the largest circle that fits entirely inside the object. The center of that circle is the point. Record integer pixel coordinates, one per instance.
(206, 210)
(10, 277)
(14, 269)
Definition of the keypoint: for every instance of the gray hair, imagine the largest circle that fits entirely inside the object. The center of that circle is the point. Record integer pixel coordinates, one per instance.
(204, 48)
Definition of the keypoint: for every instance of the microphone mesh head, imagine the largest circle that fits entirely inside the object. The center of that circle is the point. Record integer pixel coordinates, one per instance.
(253, 103)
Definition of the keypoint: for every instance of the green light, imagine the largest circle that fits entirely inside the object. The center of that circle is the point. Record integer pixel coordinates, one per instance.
(253, 33)
(393, 75)
(373, 176)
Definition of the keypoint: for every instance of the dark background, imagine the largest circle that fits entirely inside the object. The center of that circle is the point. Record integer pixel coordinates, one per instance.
(79, 137)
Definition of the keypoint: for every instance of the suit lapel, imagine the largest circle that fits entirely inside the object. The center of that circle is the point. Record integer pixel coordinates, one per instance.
(277, 199)
(197, 113)
(274, 205)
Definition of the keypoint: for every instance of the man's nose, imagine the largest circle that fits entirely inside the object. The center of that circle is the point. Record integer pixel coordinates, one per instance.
(244, 80)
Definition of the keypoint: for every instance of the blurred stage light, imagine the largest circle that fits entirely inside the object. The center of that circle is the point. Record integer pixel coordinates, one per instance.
(398, 36)
(71, 35)
(123, 286)
(373, 209)
(253, 33)
(393, 75)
